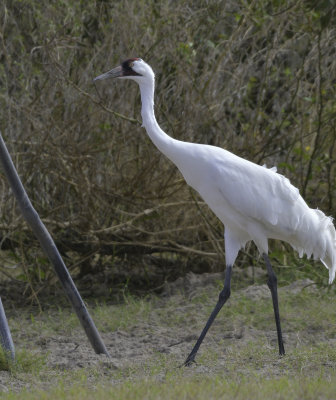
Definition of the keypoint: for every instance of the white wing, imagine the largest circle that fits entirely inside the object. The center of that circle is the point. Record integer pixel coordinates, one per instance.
(255, 191)
(251, 190)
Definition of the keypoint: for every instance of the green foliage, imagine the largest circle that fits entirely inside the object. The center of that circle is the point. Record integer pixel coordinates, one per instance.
(254, 77)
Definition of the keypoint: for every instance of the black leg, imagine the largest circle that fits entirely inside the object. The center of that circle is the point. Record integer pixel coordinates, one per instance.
(272, 284)
(223, 296)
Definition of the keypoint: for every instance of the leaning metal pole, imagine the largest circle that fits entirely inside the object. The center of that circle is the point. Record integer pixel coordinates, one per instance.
(5, 335)
(50, 249)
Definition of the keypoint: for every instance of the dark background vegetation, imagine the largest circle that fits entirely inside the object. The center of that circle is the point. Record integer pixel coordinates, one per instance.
(255, 77)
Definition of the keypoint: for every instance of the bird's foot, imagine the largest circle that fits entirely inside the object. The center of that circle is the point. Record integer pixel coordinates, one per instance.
(281, 349)
(189, 361)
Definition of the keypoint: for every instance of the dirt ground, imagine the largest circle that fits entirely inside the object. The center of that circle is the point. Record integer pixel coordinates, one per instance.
(132, 348)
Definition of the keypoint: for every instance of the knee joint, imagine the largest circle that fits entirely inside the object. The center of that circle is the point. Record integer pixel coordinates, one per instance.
(224, 294)
(272, 280)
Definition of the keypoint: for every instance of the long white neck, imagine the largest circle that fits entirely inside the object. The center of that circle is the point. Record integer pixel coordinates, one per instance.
(162, 141)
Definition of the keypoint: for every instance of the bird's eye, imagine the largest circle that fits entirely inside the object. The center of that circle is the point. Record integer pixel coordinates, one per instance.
(131, 64)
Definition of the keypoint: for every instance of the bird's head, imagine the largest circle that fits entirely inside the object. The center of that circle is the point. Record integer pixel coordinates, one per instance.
(133, 68)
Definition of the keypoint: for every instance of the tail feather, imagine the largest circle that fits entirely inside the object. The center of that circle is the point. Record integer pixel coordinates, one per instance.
(329, 259)
(318, 238)
(327, 242)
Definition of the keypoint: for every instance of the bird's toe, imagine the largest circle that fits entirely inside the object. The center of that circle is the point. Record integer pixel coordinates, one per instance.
(189, 361)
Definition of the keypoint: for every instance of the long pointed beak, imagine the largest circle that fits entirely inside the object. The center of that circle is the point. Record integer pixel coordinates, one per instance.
(114, 73)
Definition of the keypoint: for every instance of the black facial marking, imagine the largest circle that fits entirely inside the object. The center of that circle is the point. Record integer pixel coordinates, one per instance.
(127, 67)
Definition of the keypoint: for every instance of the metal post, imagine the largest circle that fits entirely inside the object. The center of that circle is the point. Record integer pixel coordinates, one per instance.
(50, 249)
(5, 335)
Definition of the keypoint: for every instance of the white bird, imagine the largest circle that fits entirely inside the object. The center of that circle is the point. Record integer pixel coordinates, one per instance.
(253, 202)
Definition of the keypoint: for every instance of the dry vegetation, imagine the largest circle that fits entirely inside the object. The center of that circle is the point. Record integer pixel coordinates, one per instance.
(255, 77)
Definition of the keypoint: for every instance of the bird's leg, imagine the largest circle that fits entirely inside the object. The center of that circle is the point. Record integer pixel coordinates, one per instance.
(223, 296)
(272, 284)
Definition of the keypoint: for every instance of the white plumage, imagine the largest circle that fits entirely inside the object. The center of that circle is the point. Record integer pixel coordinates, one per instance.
(253, 202)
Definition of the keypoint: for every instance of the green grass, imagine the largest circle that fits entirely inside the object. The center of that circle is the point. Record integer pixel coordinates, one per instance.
(25, 362)
(122, 316)
(228, 367)
(197, 387)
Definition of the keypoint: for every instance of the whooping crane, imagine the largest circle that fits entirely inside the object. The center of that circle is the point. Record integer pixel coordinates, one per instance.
(253, 202)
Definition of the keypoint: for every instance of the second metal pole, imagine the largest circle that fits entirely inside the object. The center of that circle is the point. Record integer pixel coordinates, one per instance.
(50, 249)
